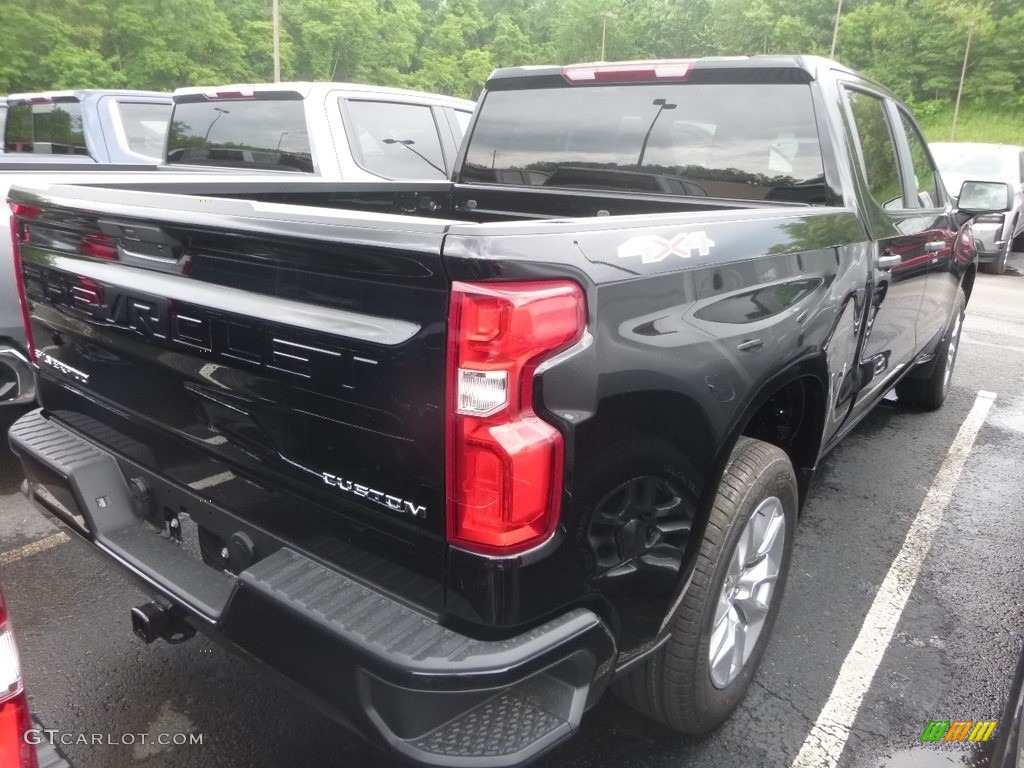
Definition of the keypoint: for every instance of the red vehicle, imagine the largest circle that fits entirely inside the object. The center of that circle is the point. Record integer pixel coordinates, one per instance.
(15, 751)
(18, 747)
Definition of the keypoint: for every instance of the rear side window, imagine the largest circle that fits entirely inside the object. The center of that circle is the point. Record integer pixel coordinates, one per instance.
(145, 126)
(925, 186)
(394, 141)
(269, 134)
(731, 140)
(45, 129)
(462, 118)
(878, 151)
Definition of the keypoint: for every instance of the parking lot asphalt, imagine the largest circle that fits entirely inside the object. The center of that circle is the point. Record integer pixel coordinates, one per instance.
(950, 655)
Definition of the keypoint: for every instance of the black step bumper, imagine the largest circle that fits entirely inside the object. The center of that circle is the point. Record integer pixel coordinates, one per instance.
(387, 670)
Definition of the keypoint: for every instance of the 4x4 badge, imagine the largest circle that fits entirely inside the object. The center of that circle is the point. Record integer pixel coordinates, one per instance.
(651, 248)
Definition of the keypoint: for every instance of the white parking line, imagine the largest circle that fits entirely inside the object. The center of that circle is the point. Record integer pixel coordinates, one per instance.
(6, 558)
(827, 738)
(1004, 347)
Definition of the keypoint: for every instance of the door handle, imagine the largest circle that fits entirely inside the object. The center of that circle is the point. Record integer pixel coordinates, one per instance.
(888, 261)
(935, 245)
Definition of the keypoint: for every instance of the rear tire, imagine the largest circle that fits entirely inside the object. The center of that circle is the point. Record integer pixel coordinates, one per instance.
(931, 393)
(719, 630)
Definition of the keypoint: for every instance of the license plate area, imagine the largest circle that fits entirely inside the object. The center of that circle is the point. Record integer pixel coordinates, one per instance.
(52, 491)
(221, 540)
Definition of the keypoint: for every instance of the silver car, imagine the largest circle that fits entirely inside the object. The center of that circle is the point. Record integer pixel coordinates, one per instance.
(959, 162)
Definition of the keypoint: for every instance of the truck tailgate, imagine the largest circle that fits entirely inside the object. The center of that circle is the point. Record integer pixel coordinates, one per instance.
(285, 363)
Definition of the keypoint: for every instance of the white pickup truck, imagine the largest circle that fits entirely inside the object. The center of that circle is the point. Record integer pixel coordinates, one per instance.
(336, 131)
(87, 126)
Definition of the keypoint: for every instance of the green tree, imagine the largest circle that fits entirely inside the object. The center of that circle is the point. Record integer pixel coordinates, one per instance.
(452, 58)
(879, 39)
(915, 47)
(154, 49)
(511, 47)
(576, 28)
(667, 29)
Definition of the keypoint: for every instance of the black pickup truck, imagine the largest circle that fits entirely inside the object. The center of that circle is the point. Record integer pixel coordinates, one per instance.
(455, 457)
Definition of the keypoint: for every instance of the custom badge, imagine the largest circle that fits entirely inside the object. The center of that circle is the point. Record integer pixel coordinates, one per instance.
(651, 248)
(394, 503)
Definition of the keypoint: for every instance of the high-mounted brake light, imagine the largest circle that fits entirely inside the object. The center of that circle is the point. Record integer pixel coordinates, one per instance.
(20, 233)
(628, 72)
(240, 93)
(14, 714)
(504, 462)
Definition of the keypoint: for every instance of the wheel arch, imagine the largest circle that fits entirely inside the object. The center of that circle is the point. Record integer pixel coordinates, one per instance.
(967, 283)
(789, 411)
(799, 391)
(682, 422)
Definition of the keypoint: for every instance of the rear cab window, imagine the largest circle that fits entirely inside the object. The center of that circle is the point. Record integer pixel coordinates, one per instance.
(45, 128)
(748, 141)
(884, 132)
(267, 132)
(394, 140)
(145, 127)
(879, 160)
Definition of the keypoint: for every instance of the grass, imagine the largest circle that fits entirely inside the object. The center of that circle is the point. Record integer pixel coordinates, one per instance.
(990, 125)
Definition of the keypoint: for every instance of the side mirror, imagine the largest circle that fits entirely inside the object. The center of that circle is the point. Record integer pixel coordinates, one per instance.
(985, 197)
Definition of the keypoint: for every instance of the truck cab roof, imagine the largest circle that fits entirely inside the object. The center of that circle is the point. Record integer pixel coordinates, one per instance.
(307, 90)
(708, 69)
(43, 97)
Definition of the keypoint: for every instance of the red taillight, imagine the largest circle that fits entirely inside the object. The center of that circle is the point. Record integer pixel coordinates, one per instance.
(504, 462)
(99, 247)
(14, 714)
(19, 235)
(14, 722)
(24, 210)
(628, 72)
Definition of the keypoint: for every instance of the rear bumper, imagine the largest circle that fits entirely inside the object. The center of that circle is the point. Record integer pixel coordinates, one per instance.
(17, 378)
(990, 240)
(387, 670)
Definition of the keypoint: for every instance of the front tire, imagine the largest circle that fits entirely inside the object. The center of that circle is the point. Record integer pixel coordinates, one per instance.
(931, 393)
(719, 631)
